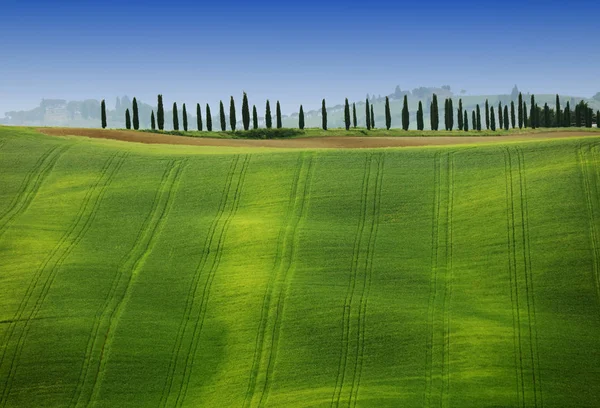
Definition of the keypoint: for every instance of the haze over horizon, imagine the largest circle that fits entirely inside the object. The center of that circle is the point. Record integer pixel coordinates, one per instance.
(193, 52)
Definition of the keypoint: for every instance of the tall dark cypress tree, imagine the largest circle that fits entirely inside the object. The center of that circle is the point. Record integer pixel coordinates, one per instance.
(512, 114)
(546, 115)
(500, 118)
(232, 119)
(487, 115)
(185, 118)
(505, 116)
(567, 115)
(520, 111)
(460, 115)
(199, 117)
(208, 119)
(347, 114)
(354, 121)
(466, 122)
(405, 114)
(160, 113)
(558, 112)
(301, 118)
(278, 115)
(152, 121)
(324, 115)
(103, 113)
(420, 119)
(245, 112)
(450, 114)
(372, 117)
(368, 114)
(447, 113)
(388, 114)
(598, 118)
(127, 119)
(175, 117)
(532, 118)
(222, 116)
(492, 120)
(478, 117)
(254, 117)
(474, 119)
(268, 119)
(525, 119)
(136, 116)
(434, 113)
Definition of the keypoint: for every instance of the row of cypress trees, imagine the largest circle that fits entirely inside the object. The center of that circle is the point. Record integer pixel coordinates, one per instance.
(538, 116)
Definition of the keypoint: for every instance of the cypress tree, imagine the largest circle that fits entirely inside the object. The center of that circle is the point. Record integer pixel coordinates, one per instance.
(492, 121)
(590, 113)
(254, 117)
(578, 115)
(505, 116)
(460, 115)
(466, 122)
(199, 117)
(525, 119)
(268, 120)
(136, 116)
(405, 114)
(512, 114)
(532, 113)
(450, 114)
(354, 115)
(420, 121)
(245, 112)
(160, 114)
(598, 118)
(372, 117)
(185, 118)
(500, 118)
(446, 120)
(301, 118)
(152, 121)
(368, 114)
(558, 112)
(546, 115)
(127, 119)
(478, 117)
(232, 119)
(567, 115)
(208, 119)
(175, 117)
(347, 114)
(487, 115)
(278, 115)
(473, 120)
(388, 114)
(520, 111)
(324, 115)
(103, 113)
(434, 113)
(222, 116)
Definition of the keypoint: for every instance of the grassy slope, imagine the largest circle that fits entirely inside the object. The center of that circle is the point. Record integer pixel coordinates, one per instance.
(161, 276)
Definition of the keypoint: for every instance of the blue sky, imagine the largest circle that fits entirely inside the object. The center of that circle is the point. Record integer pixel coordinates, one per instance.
(297, 52)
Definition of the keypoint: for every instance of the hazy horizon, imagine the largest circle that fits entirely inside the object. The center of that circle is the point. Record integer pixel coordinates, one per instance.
(297, 54)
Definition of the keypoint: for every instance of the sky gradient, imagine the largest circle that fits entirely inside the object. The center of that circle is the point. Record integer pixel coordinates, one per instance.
(297, 52)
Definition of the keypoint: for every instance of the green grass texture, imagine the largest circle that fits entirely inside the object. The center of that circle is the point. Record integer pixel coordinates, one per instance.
(162, 276)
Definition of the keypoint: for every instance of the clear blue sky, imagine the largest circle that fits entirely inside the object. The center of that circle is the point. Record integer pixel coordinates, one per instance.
(297, 52)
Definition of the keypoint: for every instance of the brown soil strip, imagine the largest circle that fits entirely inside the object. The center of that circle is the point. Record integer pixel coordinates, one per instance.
(335, 142)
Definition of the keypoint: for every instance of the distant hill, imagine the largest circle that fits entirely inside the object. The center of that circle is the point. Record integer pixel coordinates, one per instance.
(86, 113)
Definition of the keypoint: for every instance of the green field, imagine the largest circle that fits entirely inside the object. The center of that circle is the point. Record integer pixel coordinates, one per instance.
(163, 276)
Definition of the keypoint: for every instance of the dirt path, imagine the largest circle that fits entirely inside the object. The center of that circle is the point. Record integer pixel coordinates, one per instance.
(336, 142)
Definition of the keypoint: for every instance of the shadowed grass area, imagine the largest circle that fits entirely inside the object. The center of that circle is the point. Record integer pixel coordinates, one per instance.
(138, 275)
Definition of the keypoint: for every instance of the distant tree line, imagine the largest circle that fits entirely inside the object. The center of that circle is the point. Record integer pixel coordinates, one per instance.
(508, 116)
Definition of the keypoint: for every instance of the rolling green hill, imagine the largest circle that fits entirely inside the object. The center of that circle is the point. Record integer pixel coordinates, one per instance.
(163, 276)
